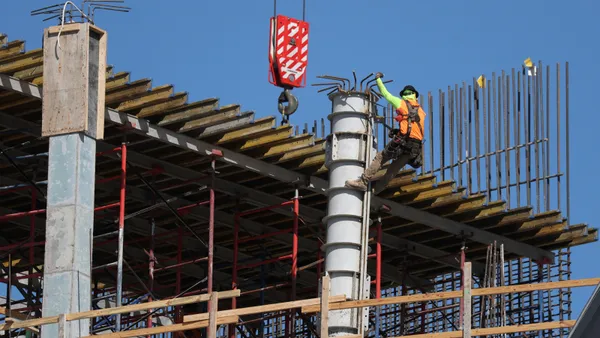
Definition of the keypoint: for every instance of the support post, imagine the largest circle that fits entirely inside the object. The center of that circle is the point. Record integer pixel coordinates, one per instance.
(467, 300)
(73, 118)
(62, 326)
(325, 307)
(462, 286)
(236, 230)
(212, 315)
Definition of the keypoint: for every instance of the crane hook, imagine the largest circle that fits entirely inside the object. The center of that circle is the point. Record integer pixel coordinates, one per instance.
(286, 111)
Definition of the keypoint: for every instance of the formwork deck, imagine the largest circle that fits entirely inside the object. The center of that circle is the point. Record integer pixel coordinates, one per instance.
(176, 171)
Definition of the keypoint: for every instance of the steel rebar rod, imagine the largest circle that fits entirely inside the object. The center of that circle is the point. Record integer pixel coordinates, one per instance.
(527, 129)
(451, 143)
(497, 134)
(547, 135)
(477, 132)
(506, 113)
(536, 132)
(459, 130)
(567, 140)
(469, 114)
(431, 135)
(558, 197)
(516, 92)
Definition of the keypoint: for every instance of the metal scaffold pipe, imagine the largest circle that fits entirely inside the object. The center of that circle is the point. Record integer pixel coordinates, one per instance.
(350, 146)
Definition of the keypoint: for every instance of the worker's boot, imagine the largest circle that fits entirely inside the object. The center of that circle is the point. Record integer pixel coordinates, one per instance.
(362, 182)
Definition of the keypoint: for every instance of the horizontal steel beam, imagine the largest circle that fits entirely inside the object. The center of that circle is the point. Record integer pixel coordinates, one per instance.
(19, 86)
(250, 194)
(318, 185)
(462, 230)
(312, 183)
(417, 249)
(144, 127)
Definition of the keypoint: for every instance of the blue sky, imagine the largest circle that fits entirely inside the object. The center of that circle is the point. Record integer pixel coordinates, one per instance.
(219, 49)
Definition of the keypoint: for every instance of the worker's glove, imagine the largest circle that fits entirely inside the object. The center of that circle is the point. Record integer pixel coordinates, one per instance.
(393, 132)
(379, 75)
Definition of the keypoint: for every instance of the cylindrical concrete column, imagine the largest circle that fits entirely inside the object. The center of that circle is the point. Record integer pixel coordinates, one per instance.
(347, 147)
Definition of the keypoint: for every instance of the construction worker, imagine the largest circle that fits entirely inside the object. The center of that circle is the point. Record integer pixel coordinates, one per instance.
(405, 146)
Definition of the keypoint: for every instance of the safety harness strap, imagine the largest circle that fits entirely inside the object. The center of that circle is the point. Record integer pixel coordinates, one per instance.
(413, 114)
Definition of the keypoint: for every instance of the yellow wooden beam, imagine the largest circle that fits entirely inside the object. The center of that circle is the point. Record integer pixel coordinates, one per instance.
(417, 298)
(177, 101)
(22, 61)
(575, 283)
(409, 185)
(157, 94)
(19, 316)
(592, 236)
(286, 146)
(316, 149)
(422, 192)
(492, 207)
(272, 136)
(169, 328)
(311, 162)
(266, 308)
(35, 74)
(210, 118)
(118, 80)
(30, 74)
(13, 47)
(38, 81)
(259, 126)
(128, 91)
(122, 309)
(189, 111)
(498, 330)
(548, 230)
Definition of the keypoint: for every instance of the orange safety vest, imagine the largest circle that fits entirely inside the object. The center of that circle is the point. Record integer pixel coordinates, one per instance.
(417, 129)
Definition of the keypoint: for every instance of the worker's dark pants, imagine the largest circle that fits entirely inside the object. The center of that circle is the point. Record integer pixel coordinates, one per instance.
(403, 152)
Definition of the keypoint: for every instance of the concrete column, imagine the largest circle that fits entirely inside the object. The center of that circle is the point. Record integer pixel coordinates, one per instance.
(347, 226)
(73, 118)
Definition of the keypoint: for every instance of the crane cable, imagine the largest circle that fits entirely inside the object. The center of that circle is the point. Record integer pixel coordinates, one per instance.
(303, 9)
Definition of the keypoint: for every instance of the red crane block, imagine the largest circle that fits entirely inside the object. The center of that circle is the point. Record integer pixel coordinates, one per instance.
(288, 52)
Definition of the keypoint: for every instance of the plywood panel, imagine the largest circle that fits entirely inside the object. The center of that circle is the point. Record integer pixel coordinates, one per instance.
(74, 80)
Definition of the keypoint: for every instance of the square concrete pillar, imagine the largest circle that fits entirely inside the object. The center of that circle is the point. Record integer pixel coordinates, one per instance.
(73, 118)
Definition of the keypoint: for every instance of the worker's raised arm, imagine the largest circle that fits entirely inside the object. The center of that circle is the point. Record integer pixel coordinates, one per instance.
(393, 100)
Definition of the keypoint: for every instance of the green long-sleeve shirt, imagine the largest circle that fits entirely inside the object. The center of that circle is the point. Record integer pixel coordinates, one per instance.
(393, 100)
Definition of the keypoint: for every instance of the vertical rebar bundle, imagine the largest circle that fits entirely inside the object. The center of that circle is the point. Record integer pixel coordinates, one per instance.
(504, 136)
